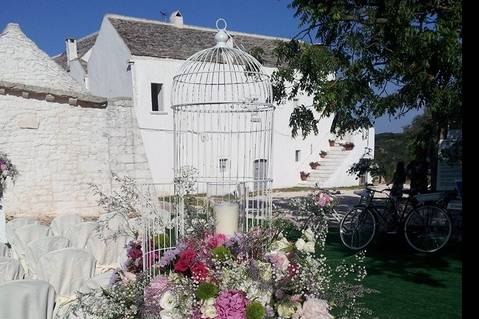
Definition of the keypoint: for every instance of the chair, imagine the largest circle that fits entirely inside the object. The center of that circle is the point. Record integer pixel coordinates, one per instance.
(10, 269)
(66, 270)
(25, 234)
(109, 253)
(62, 223)
(16, 223)
(27, 299)
(4, 250)
(78, 234)
(39, 247)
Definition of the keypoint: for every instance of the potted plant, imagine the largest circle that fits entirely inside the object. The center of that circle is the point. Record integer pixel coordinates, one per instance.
(323, 154)
(304, 175)
(331, 142)
(314, 165)
(348, 146)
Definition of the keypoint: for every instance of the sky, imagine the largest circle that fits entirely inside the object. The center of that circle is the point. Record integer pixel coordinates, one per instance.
(49, 22)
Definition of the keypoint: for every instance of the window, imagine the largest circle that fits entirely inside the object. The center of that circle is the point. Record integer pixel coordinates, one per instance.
(223, 164)
(297, 155)
(157, 97)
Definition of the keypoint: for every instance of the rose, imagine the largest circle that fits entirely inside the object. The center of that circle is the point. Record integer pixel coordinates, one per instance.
(216, 240)
(186, 260)
(279, 260)
(134, 252)
(282, 245)
(168, 301)
(300, 244)
(309, 234)
(323, 199)
(309, 247)
(199, 271)
(287, 310)
(314, 308)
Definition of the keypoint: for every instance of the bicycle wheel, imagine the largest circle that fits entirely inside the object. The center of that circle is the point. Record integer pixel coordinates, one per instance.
(427, 228)
(357, 228)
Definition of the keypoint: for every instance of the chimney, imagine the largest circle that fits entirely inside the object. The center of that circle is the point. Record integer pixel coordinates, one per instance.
(176, 18)
(71, 49)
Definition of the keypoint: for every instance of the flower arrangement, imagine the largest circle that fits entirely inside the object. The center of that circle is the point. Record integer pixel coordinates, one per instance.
(7, 170)
(323, 154)
(304, 176)
(314, 165)
(275, 272)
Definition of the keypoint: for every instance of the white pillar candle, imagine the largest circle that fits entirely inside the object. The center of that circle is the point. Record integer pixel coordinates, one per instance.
(227, 215)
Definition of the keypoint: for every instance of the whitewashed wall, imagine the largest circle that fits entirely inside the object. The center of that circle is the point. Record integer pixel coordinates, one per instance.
(59, 149)
(108, 73)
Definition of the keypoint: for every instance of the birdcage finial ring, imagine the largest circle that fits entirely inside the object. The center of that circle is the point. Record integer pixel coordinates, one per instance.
(218, 22)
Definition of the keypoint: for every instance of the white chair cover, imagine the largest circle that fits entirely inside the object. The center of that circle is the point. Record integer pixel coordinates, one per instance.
(101, 280)
(116, 223)
(10, 269)
(16, 223)
(26, 299)
(78, 234)
(109, 253)
(25, 234)
(39, 247)
(67, 270)
(4, 250)
(62, 223)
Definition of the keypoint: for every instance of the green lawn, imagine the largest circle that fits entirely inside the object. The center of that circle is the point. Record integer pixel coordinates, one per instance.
(410, 285)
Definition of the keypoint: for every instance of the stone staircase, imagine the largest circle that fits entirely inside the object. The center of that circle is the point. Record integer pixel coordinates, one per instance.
(328, 165)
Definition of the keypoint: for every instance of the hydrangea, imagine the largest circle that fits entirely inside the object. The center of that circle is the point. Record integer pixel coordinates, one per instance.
(231, 304)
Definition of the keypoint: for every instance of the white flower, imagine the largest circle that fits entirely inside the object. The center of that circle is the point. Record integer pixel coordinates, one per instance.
(282, 245)
(168, 314)
(265, 271)
(168, 301)
(315, 308)
(287, 310)
(208, 309)
(300, 244)
(309, 247)
(309, 234)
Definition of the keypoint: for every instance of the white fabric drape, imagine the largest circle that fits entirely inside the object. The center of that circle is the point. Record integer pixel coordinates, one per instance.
(39, 247)
(78, 234)
(61, 224)
(10, 269)
(25, 234)
(4, 250)
(67, 270)
(16, 223)
(109, 253)
(26, 299)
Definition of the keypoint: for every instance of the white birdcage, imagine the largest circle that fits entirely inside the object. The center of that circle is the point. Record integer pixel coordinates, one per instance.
(223, 117)
(223, 125)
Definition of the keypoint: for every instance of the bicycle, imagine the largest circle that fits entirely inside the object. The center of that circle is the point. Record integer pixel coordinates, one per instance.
(426, 226)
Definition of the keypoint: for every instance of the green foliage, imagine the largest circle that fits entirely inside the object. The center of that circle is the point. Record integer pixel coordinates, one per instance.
(390, 148)
(255, 310)
(366, 165)
(206, 291)
(221, 253)
(387, 57)
(162, 240)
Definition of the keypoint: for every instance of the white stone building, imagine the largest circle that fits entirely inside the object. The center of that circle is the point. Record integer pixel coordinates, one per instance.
(60, 137)
(137, 58)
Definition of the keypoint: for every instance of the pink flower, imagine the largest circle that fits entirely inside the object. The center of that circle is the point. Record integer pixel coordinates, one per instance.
(295, 298)
(323, 199)
(199, 271)
(314, 308)
(186, 260)
(153, 293)
(3, 167)
(231, 304)
(279, 260)
(216, 240)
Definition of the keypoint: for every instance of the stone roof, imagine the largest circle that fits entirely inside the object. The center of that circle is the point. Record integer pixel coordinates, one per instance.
(83, 46)
(22, 62)
(166, 40)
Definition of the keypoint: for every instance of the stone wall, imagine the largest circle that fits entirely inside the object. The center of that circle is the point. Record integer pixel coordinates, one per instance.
(59, 149)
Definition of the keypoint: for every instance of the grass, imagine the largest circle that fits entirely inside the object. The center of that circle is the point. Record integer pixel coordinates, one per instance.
(410, 285)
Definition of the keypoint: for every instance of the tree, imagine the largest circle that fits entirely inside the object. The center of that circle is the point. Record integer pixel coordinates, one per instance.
(387, 57)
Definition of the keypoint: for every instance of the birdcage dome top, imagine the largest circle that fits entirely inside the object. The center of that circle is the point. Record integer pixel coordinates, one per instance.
(222, 77)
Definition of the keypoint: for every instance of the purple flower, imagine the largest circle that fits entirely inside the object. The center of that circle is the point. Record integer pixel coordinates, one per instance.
(153, 293)
(231, 304)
